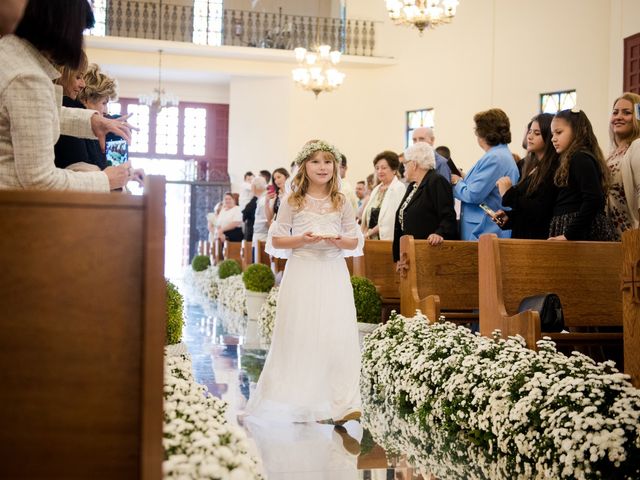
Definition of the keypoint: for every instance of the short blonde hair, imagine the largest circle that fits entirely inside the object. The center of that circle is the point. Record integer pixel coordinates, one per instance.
(423, 154)
(67, 73)
(98, 86)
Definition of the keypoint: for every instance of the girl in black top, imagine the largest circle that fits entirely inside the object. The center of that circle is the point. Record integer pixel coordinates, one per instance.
(278, 181)
(583, 179)
(532, 200)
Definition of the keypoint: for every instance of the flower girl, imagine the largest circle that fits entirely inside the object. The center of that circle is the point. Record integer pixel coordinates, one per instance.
(312, 370)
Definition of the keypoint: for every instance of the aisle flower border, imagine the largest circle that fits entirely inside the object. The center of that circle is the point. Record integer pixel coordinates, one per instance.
(199, 442)
(232, 294)
(536, 414)
(267, 317)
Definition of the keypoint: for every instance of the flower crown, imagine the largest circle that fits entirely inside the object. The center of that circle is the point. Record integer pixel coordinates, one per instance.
(314, 147)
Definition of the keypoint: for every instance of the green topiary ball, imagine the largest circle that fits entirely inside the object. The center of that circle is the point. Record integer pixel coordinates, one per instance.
(200, 263)
(175, 314)
(228, 268)
(258, 278)
(367, 298)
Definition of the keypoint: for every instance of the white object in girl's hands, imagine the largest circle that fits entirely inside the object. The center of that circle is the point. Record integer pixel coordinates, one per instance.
(326, 235)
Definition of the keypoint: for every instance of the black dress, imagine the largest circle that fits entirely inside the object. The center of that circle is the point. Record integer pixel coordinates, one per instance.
(531, 213)
(429, 210)
(69, 150)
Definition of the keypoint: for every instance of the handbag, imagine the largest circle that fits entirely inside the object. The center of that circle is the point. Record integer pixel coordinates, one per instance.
(548, 307)
(373, 217)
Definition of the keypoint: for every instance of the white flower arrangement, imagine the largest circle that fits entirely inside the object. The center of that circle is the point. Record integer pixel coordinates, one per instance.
(203, 285)
(267, 317)
(198, 441)
(311, 148)
(232, 294)
(496, 409)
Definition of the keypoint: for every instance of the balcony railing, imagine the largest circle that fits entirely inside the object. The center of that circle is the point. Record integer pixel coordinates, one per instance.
(198, 23)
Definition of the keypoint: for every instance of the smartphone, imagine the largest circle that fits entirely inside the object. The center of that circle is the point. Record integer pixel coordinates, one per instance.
(271, 189)
(117, 152)
(487, 210)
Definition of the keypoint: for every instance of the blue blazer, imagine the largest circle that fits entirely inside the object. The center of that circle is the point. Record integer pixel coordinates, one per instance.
(478, 186)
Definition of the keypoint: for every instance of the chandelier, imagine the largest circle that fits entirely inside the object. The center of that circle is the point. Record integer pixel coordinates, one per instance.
(423, 14)
(159, 99)
(316, 70)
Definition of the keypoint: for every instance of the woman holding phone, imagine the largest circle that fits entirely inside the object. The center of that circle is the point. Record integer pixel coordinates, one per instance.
(275, 192)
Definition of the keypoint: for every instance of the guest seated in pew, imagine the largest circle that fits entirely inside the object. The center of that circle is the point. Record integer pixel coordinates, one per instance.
(583, 180)
(479, 185)
(30, 118)
(533, 198)
(426, 211)
(624, 164)
(229, 221)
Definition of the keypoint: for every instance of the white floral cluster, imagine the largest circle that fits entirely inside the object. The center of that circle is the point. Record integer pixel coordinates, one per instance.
(232, 294)
(202, 285)
(310, 148)
(267, 317)
(198, 441)
(534, 414)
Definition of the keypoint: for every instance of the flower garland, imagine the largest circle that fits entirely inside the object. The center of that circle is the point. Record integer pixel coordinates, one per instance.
(311, 148)
(267, 317)
(198, 441)
(534, 414)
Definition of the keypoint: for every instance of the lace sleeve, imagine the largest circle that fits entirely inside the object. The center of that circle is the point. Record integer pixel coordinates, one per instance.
(281, 227)
(351, 229)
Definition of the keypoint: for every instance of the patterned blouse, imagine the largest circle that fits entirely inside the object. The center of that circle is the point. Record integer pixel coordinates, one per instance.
(617, 207)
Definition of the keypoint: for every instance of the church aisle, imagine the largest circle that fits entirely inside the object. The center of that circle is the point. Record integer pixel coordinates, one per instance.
(227, 368)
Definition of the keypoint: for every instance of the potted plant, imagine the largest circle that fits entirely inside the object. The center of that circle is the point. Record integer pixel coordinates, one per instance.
(175, 320)
(258, 280)
(228, 268)
(200, 263)
(368, 305)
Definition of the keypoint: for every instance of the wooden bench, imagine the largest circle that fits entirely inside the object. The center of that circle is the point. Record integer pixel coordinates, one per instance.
(259, 254)
(585, 275)
(83, 326)
(631, 303)
(440, 280)
(378, 266)
(232, 251)
(217, 251)
(246, 253)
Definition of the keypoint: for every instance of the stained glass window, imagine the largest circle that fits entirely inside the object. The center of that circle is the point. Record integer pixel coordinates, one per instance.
(553, 102)
(140, 119)
(417, 119)
(207, 22)
(167, 131)
(195, 130)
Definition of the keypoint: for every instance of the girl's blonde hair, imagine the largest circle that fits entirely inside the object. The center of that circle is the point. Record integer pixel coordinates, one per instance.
(584, 140)
(300, 182)
(98, 86)
(634, 98)
(67, 73)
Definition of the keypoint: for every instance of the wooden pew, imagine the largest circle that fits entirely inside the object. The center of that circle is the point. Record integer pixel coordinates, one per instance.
(631, 303)
(231, 251)
(246, 253)
(83, 326)
(377, 265)
(217, 251)
(439, 280)
(585, 275)
(259, 255)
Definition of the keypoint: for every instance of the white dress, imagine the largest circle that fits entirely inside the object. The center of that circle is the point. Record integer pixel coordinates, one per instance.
(312, 371)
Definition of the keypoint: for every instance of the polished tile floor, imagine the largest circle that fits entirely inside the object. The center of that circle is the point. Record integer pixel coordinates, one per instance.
(224, 361)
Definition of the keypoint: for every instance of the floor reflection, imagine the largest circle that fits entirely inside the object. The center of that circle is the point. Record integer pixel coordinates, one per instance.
(288, 451)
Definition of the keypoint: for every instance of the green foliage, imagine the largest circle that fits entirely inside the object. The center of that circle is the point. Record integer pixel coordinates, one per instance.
(367, 298)
(200, 263)
(228, 268)
(175, 314)
(258, 278)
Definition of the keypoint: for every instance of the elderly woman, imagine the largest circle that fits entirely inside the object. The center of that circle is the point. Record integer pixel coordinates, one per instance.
(426, 211)
(379, 215)
(479, 185)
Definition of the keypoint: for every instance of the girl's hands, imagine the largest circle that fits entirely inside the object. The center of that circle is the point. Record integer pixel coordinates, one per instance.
(500, 218)
(559, 237)
(309, 238)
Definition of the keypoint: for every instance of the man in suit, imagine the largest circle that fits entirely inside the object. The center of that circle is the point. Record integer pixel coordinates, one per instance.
(424, 134)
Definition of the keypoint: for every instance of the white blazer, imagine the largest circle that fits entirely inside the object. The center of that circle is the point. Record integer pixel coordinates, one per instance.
(390, 205)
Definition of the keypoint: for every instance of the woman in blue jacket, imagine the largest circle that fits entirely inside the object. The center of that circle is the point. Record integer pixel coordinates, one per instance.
(479, 185)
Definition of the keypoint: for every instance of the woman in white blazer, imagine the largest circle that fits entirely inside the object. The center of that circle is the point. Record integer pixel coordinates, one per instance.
(623, 204)
(378, 218)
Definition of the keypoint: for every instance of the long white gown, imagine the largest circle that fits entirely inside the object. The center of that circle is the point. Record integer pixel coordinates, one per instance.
(312, 370)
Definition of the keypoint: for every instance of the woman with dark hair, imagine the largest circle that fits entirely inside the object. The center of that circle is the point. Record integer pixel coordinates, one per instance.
(533, 198)
(479, 185)
(30, 120)
(583, 181)
(275, 193)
